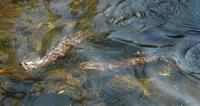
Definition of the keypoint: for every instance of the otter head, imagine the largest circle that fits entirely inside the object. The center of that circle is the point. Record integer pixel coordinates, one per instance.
(28, 65)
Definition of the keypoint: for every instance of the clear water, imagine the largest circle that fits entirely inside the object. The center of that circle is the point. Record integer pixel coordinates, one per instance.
(169, 28)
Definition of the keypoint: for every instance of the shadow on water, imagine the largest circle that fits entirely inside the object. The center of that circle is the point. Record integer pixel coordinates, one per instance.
(125, 29)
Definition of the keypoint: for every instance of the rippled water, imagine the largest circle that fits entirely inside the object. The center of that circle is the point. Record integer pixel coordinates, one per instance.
(127, 29)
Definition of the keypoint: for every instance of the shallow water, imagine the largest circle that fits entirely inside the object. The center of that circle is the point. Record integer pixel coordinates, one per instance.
(127, 29)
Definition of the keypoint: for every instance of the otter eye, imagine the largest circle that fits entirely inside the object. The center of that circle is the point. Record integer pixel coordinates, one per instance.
(21, 64)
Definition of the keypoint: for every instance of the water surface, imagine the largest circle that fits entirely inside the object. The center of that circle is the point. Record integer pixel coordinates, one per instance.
(127, 28)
